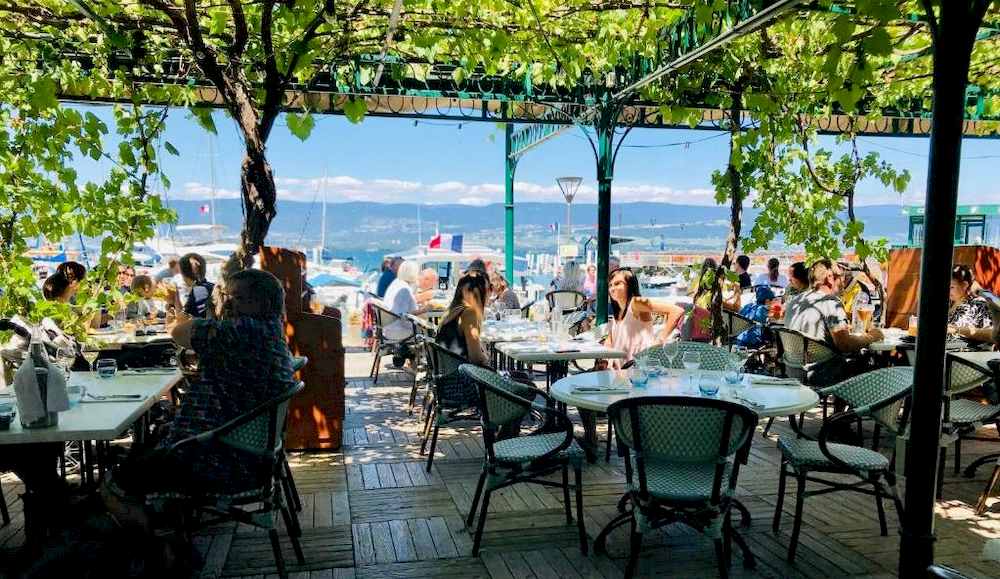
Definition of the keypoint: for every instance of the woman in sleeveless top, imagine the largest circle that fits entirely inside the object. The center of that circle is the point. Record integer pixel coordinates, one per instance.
(631, 324)
(461, 325)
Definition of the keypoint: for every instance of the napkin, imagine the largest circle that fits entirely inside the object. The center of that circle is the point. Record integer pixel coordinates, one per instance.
(599, 390)
(29, 399)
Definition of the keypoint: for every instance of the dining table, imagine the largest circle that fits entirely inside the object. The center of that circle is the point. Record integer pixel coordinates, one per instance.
(107, 339)
(593, 392)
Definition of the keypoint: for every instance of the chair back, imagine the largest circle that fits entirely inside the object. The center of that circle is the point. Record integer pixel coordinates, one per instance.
(564, 301)
(712, 357)
(262, 430)
(963, 376)
(735, 324)
(800, 353)
(878, 394)
(421, 326)
(451, 389)
(384, 317)
(684, 431)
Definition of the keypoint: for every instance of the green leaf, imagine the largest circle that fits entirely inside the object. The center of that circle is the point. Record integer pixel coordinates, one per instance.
(170, 148)
(43, 94)
(126, 155)
(300, 125)
(355, 109)
(879, 43)
(220, 19)
(204, 117)
(843, 28)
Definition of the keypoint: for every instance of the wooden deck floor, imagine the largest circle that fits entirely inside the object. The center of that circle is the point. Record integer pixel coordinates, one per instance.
(372, 511)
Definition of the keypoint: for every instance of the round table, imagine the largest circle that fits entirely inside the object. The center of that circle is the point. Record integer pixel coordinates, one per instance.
(768, 400)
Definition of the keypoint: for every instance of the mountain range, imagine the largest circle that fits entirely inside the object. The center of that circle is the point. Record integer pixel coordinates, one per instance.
(373, 227)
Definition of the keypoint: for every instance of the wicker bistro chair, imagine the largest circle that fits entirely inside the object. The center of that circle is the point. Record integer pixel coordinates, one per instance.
(712, 357)
(682, 461)
(452, 397)
(565, 301)
(288, 485)
(525, 458)
(383, 345)
(807, 360)
(424, 331)
(260, 433)
(735, 324)
(878, 394)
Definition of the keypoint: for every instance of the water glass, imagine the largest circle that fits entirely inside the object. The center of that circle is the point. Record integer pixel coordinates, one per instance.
(106, 368)
(638, 375)
(708, 387)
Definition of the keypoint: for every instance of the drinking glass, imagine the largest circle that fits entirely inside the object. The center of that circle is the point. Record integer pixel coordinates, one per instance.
(732, 374)
(708, 387)
(912, 329)
(692, 361)
(638, 375)
(90, 356)
(65, 358)
(107, 368)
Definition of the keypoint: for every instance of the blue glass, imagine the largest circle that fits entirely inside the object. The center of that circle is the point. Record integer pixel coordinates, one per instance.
(708, 387)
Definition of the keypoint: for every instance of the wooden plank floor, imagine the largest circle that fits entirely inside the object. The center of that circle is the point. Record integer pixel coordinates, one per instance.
(373, 510)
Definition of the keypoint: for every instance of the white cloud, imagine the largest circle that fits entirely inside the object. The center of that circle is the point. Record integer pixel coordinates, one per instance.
(345, 188)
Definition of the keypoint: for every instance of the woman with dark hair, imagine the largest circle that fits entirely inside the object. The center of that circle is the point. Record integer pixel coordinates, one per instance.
(798, 279)
(74, 271)
(631, 324)
(58, 288)
(968, 314)
(461, 325)
(198, 300)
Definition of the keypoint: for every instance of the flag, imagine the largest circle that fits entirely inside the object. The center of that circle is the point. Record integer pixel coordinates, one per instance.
(554, 226)
(204, 209)
(446, 240)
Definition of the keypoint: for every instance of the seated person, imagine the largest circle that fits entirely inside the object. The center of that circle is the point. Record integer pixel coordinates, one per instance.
(144, 308)
(853, 291)
(968, 314)
(503, 297)
(630, 328)
(195, 298)
(590, 282)
(399, 298)
(427, 285)
(74, 272)
(798, 279)
(244, 361)
(773, 276)
(819, 314)
(758, 312)
(742, 265)
(462, 324)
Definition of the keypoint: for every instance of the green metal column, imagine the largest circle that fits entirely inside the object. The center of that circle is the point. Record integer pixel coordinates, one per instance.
(605, 173)
(508, 205)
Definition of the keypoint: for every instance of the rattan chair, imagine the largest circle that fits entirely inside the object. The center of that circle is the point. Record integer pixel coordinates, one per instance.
(735, 324)
(288, 485)
(807, 360)
(712, 357)
(257, 433)
(682, 462)
(383, 345)
(452, 397)
(879, 395)
(962, 417)
(522, 459)
(425, 331)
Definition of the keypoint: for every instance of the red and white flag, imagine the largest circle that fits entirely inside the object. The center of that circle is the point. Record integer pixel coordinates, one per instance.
(204, 209)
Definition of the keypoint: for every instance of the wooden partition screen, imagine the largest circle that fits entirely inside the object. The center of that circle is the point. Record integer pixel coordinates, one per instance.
(904, 278)
(315, 415)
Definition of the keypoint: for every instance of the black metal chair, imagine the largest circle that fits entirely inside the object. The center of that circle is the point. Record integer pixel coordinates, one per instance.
(425, 331)
(383, 345)
(880, 395)
(735, 324)
(527, 458)
(682, 462)
(257, 433)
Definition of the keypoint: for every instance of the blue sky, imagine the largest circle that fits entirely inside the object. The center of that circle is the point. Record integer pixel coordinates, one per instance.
(393, 160)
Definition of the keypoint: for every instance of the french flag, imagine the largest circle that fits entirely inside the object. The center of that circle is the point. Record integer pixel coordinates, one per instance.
(446, 240)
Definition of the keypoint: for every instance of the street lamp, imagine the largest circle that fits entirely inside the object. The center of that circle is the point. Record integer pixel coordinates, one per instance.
(569, 187)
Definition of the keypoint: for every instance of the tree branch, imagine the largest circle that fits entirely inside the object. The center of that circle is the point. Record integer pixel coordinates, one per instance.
(239, 45)
(932, 21)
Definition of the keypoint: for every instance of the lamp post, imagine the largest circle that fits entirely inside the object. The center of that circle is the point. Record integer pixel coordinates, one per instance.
(569, 186)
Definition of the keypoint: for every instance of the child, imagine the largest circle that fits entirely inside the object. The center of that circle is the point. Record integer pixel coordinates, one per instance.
(754, 337)
(144, 308)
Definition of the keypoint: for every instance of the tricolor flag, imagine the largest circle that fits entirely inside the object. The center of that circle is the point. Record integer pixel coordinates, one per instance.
(446, 240)
(204, 209)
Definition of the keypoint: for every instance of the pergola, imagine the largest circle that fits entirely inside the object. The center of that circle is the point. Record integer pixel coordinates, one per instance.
(393, 86)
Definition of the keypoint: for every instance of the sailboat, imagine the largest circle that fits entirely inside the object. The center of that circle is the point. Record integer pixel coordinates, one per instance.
(336, 281)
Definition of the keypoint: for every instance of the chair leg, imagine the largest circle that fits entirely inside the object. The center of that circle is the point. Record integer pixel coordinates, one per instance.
(767, 428)
(942, 457)
(294, 532)
(720, 558)
(475, 498)
(877, 485)
(580, 523)
(279, 559)
(288, 483)
(877, 437)
(890, 480)
(635, 545)
(482, 523)
(434, 440)
(3, 508)
(607, 449)
(567, 506)
(377, 354)
(958, 456)
(994, 479)
(793, 544)
(782, 475)
(428, 421)
(749, 561)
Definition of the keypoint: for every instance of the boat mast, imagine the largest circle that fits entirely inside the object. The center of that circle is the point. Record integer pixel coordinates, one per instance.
(211, 169)
(322, 232)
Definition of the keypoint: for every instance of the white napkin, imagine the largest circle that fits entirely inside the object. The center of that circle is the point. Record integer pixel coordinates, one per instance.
(29, 400)
(774, 381)
(57, 398)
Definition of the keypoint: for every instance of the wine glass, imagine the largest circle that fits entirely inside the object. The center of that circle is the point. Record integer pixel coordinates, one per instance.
(692, 361)
(91, 356)
(107, 368)
(65, 356)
